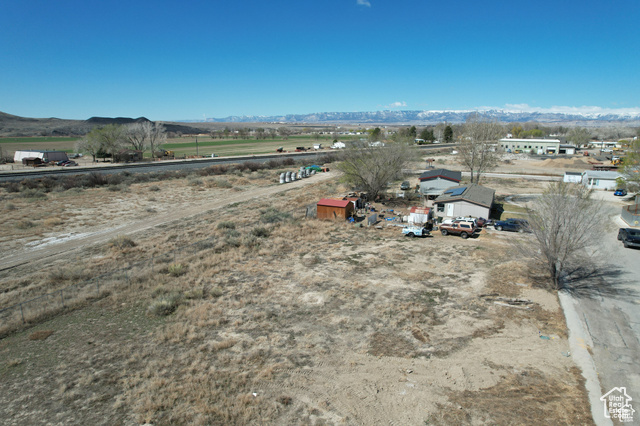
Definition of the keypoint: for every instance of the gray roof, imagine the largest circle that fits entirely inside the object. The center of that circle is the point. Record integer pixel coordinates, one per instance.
(597, 174)
(441, 173)
(473, 193)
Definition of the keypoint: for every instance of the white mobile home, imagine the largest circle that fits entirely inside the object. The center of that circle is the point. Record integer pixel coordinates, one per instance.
(600, 179)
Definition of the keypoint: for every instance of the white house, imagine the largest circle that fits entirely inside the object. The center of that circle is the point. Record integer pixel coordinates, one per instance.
(600, 179)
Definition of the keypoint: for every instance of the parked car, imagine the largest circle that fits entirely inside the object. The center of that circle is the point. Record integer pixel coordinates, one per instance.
(69, 164)
(405, 185)
(630, 237)
(464, 229)
(62, 162)
(620, 192)
(511, 224)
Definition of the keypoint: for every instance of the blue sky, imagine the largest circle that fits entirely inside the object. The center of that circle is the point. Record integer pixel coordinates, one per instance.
(170, 60)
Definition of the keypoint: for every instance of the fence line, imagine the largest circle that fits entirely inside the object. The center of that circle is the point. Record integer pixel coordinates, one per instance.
(49, 304)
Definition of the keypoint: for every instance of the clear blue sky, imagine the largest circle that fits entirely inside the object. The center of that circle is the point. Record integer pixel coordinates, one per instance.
(171, 60)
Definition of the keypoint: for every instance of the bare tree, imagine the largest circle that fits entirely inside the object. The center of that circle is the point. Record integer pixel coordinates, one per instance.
(478, 149)
(372, 167)
(89, 145)
(579, 136)
(104, 141)
(137, 134)
(157, 136)
(285, 132)
(566, 223)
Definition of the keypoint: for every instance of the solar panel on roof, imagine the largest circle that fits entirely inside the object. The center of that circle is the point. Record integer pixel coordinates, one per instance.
(456, 191)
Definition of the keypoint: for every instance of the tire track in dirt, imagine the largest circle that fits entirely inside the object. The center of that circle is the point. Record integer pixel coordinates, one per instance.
(27, 256)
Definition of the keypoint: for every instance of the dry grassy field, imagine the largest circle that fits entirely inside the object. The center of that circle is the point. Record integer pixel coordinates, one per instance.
(279, 320)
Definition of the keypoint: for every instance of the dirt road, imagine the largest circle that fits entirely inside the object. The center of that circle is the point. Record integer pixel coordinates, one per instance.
(64, 246)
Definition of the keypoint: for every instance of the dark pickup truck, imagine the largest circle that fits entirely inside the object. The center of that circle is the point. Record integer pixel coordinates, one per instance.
(464, 229)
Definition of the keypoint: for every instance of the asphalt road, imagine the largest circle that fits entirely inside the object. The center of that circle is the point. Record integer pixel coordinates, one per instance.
(171, 165)
(607, 308)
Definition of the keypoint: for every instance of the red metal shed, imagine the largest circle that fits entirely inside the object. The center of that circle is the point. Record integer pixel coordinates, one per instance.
(334, 209)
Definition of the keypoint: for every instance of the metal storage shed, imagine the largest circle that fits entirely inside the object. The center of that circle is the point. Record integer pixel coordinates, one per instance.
(334, 209)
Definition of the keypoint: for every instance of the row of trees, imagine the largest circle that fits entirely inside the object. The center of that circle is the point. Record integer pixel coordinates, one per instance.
(107, 141)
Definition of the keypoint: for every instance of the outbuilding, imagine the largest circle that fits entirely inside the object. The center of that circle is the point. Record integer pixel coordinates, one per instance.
(466, 200)
(328, 208)
(597, 179)
(572, 177)
(45, 156)
(434, 182)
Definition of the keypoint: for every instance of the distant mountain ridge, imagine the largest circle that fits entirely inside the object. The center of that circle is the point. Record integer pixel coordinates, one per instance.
(434, 117)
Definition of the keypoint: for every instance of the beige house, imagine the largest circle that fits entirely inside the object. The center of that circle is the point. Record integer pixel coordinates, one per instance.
(465, 200)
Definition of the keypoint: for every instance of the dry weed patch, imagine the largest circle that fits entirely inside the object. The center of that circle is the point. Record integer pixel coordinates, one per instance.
(283, 320)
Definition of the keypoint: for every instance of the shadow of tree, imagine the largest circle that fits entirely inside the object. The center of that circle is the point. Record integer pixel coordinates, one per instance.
(595, 281)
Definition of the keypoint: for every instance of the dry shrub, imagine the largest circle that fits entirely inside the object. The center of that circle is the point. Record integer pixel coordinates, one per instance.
(176, 269)
(52, 221)
(218, 182)
(121, 242)
(40, 334)
(25, 224)
(165, 305)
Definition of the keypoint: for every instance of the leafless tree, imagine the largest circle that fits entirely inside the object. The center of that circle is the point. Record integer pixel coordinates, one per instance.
(567, 225)
(478, 149)
(137, 135)
(372, 167)
(157, 136)
(285, 132)
(579, 136)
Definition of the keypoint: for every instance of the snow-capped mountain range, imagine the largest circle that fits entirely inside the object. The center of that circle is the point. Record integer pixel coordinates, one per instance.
(629, 117)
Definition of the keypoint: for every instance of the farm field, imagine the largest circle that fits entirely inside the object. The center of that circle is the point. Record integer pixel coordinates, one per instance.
(281, 319)
(184, 146)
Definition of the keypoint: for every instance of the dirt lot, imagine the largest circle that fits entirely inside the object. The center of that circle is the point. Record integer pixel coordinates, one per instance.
(283, 320)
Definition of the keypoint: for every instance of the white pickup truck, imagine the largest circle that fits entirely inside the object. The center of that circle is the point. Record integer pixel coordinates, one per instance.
(416, 231)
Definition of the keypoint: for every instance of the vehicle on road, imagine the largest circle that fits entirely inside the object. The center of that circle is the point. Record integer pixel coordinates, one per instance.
(620, 192)
(512, 224)
(630, 237)
(464, 229)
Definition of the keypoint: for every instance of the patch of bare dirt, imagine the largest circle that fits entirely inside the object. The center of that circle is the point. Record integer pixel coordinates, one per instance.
(287, 320)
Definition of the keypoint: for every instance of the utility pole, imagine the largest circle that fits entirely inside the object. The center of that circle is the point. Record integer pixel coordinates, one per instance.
(196, 146)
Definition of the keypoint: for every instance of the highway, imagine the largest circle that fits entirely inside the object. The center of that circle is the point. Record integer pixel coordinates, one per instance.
(171, 165)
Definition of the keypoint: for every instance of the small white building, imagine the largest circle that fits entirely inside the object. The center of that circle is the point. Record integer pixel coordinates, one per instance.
(600, 179)
(572, 177)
